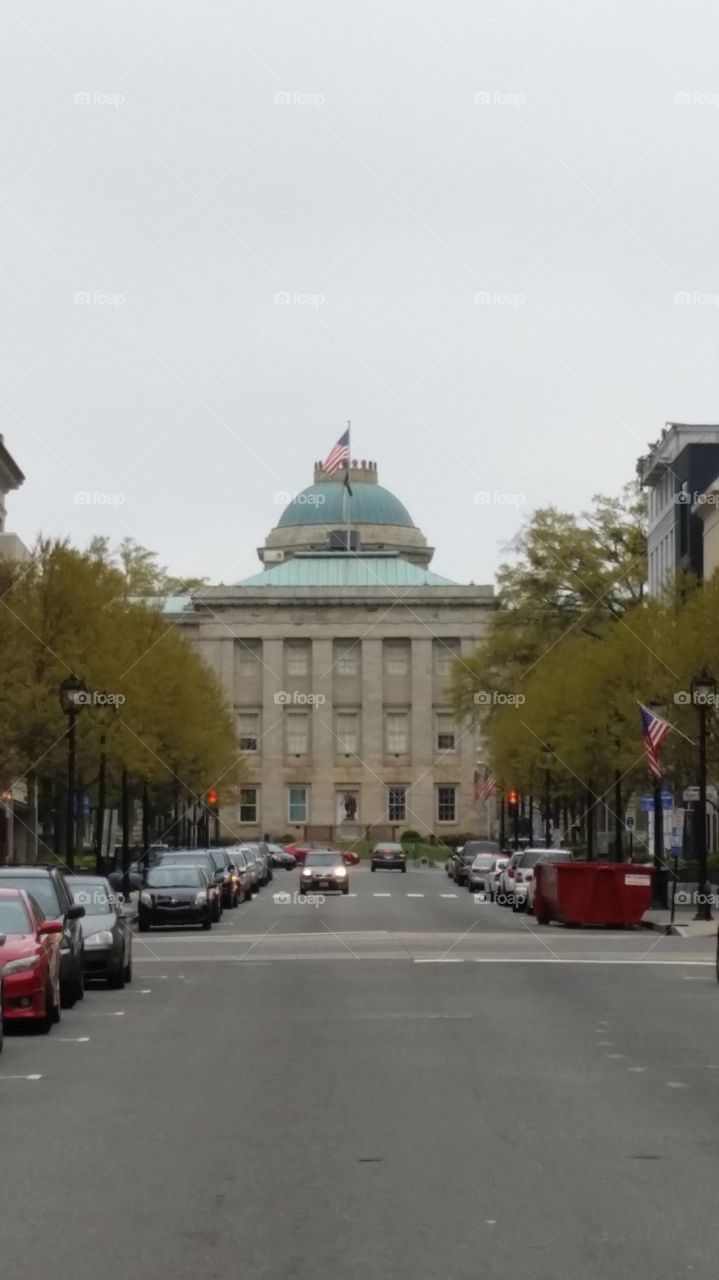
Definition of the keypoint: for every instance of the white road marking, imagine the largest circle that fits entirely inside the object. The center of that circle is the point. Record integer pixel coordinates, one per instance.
(20, 1078)
(637, 1069)
(449, 895)
(614, 1055)
(676, 1084)
(110, 1013)
(438, 960)
(604, 1044)
(71, 1040)
(414, 895)
(381, 895)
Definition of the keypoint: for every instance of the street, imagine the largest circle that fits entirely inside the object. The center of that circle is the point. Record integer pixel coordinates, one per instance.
(249, 1105)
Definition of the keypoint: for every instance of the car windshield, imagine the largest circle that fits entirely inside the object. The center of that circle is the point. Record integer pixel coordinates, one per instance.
(14, 917)
(388, 848)
(192, 860)
(174, 877)
(41, 888)
(322, 859)
(93, 895)
(483, 862)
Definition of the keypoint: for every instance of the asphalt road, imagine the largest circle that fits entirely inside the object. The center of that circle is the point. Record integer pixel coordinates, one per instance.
(402, 1087)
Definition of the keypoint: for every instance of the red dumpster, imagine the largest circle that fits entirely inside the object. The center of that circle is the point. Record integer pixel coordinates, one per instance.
(609, 893)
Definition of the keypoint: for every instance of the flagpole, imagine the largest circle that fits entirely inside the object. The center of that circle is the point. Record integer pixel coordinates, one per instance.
(346, 492)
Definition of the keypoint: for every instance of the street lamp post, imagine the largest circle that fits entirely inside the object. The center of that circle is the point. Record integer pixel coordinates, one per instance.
(703, 693)
(659, 879)
(105, 710)
(70, 690)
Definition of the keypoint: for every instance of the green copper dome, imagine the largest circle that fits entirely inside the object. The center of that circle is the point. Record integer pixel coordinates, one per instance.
(328, 504)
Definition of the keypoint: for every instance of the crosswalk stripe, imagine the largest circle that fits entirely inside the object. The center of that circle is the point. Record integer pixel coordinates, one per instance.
(381, 895)
(414, 895)
(449, 895)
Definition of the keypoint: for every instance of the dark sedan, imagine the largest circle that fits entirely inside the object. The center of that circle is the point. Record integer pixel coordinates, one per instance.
(281, 858)
(204, 858)
(324, 870)
(389, 856)
(107, 936)
(175, 895)
(463, 861)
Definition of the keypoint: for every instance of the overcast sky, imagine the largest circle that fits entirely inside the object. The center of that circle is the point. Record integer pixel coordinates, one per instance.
(482, 214)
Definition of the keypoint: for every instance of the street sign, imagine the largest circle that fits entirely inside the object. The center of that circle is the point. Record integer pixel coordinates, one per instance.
(630, 822)
(647, 801)
(691, 794)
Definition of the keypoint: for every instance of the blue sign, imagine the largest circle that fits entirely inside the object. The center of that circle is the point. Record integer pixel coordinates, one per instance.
(647, 801)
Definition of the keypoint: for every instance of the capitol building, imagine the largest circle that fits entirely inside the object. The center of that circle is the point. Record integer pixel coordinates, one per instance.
(335, 657)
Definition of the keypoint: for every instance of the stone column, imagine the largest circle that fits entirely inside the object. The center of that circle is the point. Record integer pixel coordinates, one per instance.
(274, 798)
(420, 803)
(322, 796)
(372, 798)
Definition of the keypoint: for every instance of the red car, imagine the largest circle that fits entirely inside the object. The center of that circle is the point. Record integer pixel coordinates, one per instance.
(300, 851)
(29, 961)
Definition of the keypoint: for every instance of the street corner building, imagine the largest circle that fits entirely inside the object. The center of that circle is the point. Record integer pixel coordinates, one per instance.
(336, 658)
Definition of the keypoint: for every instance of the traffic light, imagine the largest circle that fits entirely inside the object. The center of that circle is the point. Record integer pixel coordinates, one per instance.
(513, 798)
(212, 799)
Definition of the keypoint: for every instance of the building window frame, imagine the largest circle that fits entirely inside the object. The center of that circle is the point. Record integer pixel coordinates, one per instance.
(347, 664)
(292, 719)
(296, 650)
(249, 738)
(445, 738)
(446, 803)
(298, 809)
(394, 714)
(394, 650)
(343, 745)
(397, 802)
(249, 805)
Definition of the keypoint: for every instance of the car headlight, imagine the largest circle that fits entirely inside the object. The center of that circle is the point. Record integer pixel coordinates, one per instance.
(340, 871)
(307, 871)
(200, 898)
(146, 898)
(102, 939)
(21, 965)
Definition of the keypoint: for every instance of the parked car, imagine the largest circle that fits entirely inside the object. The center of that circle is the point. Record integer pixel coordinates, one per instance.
(230, 883)
(199, 858)
(505, 892)
(350, 857)
(30, 961)
(548, 855)
(324, 869)
(48, 886)
(281, 858)
(254, 868)
(498, 866)
(463, 861)
(480, 873)
(242, 871)
(387, 855)
(176, 894)
(106, 933)
(264, 851)
(524, 872)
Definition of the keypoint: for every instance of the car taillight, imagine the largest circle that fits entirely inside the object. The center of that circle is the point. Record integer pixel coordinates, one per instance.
(518, 876)
(510, 872)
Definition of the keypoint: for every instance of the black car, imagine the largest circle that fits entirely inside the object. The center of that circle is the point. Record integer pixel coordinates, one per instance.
(324, 869)
(388, 855)
(206, 859)
(106, 933)
(462, 862)
(175, 894)
(265, 859)
(48, 886)
(280, 858)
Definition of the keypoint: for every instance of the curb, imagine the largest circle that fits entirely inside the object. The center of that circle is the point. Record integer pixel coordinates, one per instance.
(669, 930)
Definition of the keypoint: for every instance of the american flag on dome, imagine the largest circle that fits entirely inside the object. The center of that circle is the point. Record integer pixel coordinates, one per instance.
(483, 789)
(654, 731)
(338, 456)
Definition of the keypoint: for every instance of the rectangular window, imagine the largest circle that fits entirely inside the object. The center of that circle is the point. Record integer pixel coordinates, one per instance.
(347, 732)
(397, 804)
(297, 804)
(347, 662)
(248, 804)
(298, 733)
(248, 730)
(249, 656)
(445, 653)
(297, 658)
(397, 732)
(446, 804)
(445, 734)
(396, 658)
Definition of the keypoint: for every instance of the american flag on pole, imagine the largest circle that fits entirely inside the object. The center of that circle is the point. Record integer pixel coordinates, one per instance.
(483, 789)
(654, 731)
(338, 456)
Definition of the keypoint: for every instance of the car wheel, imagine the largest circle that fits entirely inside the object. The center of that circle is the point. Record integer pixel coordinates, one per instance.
(128, 970)
(404, 870)
(68, 996)
(52, 1014)
(143, 926)
(80, 984)
(373, 867)
(345, 889)
(216, 913)
(207, 922)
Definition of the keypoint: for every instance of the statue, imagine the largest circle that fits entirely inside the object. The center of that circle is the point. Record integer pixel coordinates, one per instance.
(350, 804)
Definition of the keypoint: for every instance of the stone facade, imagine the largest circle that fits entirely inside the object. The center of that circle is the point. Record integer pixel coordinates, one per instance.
(341, 695)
